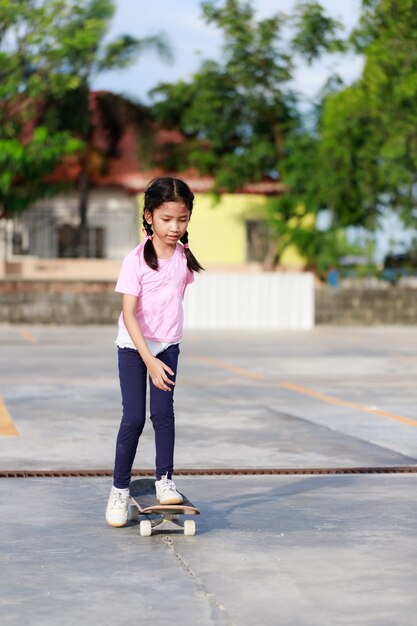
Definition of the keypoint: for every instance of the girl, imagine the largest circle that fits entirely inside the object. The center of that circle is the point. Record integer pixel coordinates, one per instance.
(152, 280)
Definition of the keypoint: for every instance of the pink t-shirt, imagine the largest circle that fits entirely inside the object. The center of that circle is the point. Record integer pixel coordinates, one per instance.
(160, 293)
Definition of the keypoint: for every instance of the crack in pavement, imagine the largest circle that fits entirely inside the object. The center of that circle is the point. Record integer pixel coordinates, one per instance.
(219, 614)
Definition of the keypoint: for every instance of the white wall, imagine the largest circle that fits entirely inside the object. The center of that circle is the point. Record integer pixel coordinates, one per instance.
(112, 209)
(268, 301)
(6, 234)
(116, 211)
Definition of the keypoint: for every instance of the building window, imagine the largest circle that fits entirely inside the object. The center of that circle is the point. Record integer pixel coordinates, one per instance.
(68, 242)
(257, 240)
(20, 240)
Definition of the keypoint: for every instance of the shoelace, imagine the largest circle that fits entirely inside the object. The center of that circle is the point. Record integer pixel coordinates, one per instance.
(119, 500)
(167, 485)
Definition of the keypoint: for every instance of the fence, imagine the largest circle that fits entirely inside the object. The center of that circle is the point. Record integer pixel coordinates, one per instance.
(215, 301)
(270, 301)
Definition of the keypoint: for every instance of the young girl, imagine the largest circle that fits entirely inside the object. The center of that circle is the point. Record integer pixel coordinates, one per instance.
(152, 280)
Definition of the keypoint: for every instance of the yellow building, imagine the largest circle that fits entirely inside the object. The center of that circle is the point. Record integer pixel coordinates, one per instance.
(221, 234)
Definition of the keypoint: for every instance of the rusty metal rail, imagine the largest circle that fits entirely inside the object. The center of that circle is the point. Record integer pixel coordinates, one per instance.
(224, 471)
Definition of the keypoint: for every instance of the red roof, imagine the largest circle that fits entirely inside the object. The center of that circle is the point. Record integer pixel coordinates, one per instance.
(126, 169)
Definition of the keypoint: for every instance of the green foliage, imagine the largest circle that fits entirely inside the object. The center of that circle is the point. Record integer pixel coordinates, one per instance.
(233, 113)
(82, 29)
(299, 171)
(242, 122)
(369, 130)
(23, 169)
(316, 32)
(349, 160)
(240, 116)
(30, 148)
(86, 55)
(120, 52)
(49, 52)
(324, 249)
(238, 113)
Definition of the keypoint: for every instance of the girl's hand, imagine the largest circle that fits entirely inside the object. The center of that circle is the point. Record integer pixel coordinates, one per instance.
(157, 369)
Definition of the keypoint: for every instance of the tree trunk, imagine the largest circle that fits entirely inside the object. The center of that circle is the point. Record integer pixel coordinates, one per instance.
(278, 139)
(83, 182)
(272, 257)
(83, 189)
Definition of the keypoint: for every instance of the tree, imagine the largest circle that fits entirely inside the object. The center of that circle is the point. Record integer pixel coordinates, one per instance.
(86, 54)
(348, 158)
(239, 114)
(29, 146)
(368, 151)
(50, 50)
(359, 157)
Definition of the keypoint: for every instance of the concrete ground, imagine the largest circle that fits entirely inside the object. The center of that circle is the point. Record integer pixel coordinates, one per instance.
(281, 550)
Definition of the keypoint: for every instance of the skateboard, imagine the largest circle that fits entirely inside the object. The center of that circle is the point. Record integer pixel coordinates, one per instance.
(155, 515)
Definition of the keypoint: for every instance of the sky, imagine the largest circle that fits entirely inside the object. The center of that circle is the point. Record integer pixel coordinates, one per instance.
(192, 41)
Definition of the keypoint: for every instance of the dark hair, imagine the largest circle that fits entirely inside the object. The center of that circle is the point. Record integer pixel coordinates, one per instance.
(162, 190)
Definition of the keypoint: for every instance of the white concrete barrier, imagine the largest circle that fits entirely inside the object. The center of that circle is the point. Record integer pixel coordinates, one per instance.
(269, 301)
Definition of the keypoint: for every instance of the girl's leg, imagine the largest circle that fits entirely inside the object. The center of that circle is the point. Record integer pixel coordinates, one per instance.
(162, 416)
(132, 375)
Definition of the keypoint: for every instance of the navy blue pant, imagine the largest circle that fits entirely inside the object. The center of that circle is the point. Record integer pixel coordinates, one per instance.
(132, 375)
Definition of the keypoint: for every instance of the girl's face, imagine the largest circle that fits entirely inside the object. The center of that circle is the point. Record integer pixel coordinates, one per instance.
(169, 221)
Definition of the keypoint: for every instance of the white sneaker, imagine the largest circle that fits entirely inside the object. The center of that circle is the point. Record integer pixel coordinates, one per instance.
(117, 508)
(166, 492)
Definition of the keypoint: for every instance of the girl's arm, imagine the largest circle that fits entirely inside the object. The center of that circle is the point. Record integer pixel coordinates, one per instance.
(156, 367)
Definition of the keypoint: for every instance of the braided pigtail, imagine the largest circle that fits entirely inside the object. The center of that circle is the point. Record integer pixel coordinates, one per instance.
(149, 253)
(159, 191)
(192, 262)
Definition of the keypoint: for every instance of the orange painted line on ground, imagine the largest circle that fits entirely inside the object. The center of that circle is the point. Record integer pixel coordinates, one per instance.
(27, 336)
(230, 368)
(7, 427)
(352, 405)
(308, 391)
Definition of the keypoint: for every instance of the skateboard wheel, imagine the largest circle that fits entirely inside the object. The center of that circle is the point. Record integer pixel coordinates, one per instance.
(189, 527)
(132, 514)
(145, 528)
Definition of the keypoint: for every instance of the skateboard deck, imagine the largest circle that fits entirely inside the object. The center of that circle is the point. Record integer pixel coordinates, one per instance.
(156, 515)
